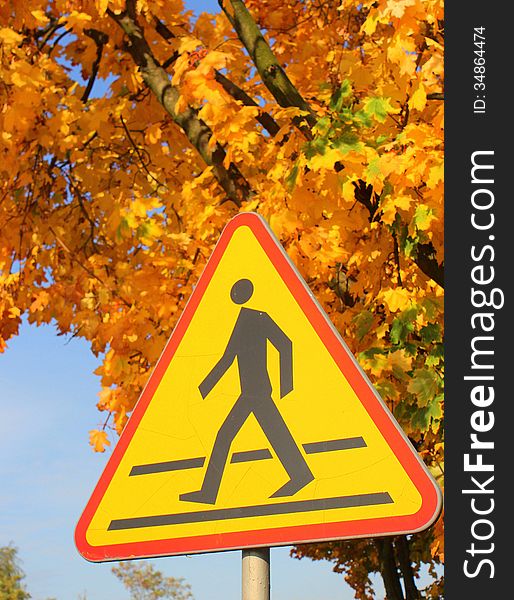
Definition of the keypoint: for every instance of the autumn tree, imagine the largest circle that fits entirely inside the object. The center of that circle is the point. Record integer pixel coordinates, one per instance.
(325, 116)
(145, 582)
(11, 575)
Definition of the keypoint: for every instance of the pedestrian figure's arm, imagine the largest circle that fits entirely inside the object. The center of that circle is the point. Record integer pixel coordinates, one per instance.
(285, 349)
(219, 369)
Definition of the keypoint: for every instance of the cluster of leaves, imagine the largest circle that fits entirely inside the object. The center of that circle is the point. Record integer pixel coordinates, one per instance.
(331, 127)
(356, 560)
(144, 582)
(11, 575)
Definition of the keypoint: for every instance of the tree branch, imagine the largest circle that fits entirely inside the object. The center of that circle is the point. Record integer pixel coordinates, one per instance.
(230, 87)
(198, 133)
(47, 33)
(426, 260)
(388, 569)
(401, 545)
(140, 156)
(272, 74)
(425, 257)
(165, 32)
(100, 38)
(265, 119)
(396, 252)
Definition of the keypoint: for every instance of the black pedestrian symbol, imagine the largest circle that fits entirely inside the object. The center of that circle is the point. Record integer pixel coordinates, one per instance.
(248, 343)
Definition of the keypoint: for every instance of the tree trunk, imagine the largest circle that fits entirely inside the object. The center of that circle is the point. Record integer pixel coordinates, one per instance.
(388, 569)
(401, 545)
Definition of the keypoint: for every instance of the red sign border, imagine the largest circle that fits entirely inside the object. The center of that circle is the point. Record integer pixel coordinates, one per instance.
(395, 437)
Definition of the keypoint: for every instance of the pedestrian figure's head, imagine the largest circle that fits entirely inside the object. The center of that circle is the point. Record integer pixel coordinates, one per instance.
(241, 291)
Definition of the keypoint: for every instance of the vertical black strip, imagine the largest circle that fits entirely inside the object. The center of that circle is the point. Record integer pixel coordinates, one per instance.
(479, 130)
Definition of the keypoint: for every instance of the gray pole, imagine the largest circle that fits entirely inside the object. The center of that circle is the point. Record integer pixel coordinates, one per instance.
(256, 579)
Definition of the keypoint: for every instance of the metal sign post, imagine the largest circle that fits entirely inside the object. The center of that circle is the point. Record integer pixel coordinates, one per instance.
(256, 577)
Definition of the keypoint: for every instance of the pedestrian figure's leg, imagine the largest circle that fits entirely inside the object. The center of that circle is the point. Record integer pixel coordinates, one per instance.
(275, 428)
(212, 479)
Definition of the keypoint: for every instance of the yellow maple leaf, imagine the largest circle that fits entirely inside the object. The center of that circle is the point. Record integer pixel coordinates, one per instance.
(391, 204)
(419, 98)
(77, 20)
(325, 161)
(181, 66)
(40, 16)
(214, 60)
(375, 365)
(188, 44)
(403, 52)
(400, 362)
(423, 217)
(436, 175)
(397, 7)
(105, 398)
(40, 302)
(98, 440)
(101, 6)
(371, 23)
(120, 420)
(153, 133)
(14, 312)
(9, 37)
(396, 299)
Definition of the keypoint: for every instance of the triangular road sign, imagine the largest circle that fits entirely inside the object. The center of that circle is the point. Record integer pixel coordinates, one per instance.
(257, 427)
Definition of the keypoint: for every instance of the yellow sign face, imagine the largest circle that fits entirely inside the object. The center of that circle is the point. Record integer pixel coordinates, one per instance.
(257, 427)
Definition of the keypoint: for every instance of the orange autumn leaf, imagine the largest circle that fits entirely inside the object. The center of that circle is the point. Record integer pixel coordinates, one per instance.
(98, 440)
